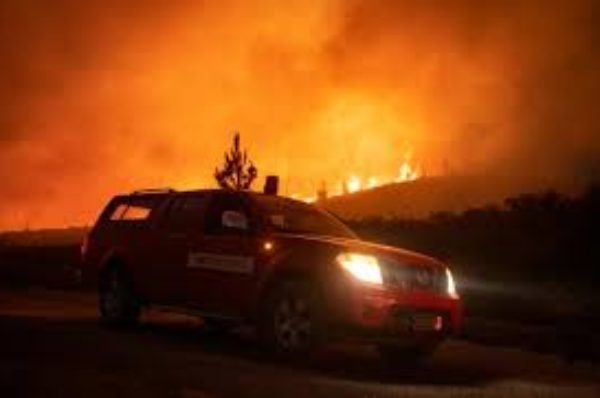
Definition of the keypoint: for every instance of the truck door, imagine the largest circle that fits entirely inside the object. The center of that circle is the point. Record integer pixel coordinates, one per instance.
(137, 237)
(179, 229)
(221, 269)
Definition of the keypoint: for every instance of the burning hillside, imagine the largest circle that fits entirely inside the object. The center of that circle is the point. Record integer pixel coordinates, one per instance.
(425, 196)
(407, 171)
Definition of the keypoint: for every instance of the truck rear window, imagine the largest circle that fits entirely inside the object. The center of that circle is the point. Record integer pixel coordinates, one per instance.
(136, 213)
(138, 210)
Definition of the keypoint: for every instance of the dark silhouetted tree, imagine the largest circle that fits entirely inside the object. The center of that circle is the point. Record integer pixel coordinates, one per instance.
(238, 172)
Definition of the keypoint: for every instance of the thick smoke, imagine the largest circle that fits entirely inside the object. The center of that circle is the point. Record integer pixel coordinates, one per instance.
(499, 86)
(101, 97)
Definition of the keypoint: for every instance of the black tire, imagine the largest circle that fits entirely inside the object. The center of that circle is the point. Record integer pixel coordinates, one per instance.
(117, 302)
(407, 355)
(291, 319)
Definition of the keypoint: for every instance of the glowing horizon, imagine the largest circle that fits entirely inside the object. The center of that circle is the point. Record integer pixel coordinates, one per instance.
(112, 97)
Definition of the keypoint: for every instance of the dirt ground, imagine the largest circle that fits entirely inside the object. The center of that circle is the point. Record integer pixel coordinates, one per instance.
(52, 345)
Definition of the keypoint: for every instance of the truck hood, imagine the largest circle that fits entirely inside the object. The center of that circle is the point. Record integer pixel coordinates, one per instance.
(366, 247)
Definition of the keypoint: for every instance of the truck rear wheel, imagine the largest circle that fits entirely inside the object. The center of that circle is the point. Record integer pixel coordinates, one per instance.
(291, 320)
(117, 302)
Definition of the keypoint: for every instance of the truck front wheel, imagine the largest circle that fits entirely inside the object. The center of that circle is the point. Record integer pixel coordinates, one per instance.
(291, 319)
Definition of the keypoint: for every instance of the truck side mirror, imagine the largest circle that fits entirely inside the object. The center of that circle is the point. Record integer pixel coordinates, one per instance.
(235, 220)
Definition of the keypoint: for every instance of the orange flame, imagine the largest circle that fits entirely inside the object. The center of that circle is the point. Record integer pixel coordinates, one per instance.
(354, 184)
(407, 172)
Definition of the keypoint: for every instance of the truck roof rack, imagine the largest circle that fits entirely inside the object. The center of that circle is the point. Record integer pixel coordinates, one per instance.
(153, 190)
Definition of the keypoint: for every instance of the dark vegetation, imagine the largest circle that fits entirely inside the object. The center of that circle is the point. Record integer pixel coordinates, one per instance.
(47, 258)
(238, 172)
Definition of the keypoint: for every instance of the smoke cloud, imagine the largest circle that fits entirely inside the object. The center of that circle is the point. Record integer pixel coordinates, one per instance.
(104, 97)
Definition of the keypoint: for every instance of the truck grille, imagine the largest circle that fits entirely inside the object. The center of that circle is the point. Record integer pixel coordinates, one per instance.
(414, 277)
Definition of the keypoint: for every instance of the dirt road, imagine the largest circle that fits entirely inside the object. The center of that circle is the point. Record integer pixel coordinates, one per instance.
(51, 344)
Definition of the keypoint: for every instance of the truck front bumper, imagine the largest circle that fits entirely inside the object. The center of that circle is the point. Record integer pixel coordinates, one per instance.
(381, 314)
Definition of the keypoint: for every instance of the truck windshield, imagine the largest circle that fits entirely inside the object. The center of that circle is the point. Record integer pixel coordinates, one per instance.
(286, 215)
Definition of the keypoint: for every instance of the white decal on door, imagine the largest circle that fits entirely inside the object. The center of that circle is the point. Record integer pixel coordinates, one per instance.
(220, 262)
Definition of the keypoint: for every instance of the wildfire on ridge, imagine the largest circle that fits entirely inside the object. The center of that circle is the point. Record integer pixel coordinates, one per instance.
(407, 171)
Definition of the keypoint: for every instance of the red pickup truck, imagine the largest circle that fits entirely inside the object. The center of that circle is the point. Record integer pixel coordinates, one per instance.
(291, 269)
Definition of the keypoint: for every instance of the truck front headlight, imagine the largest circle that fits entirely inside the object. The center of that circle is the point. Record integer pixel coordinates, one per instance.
(363, 267)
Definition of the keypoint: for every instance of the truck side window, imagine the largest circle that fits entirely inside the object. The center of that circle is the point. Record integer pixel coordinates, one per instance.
(186, 213)
(219, 204)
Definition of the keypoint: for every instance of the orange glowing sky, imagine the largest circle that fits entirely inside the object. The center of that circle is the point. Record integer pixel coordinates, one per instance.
(106, 97)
